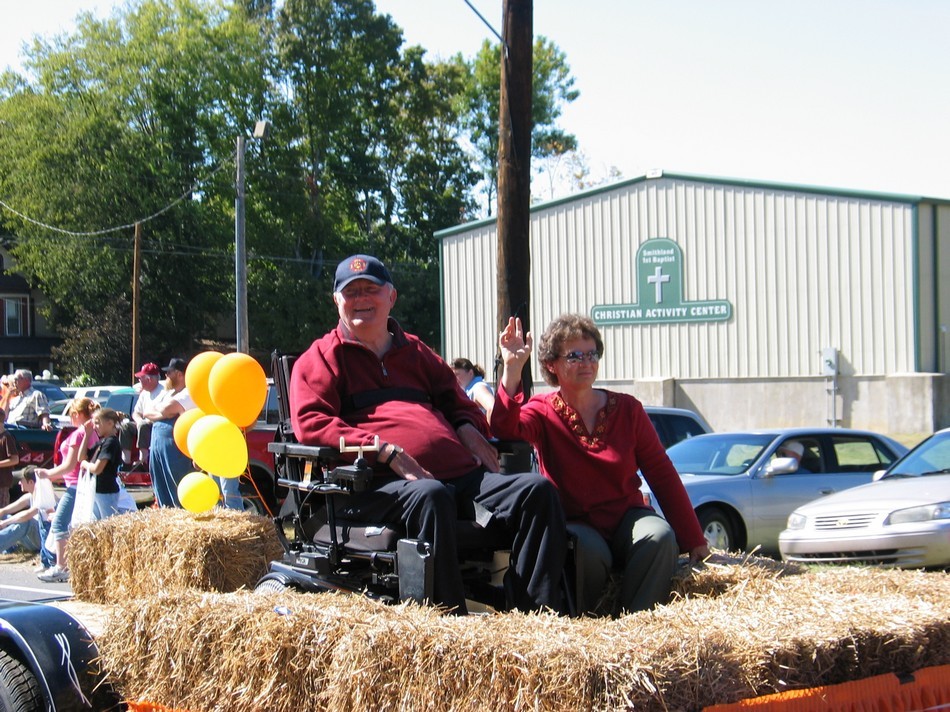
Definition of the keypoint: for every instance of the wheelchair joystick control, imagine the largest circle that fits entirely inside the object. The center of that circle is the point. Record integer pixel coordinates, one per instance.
(358, 476)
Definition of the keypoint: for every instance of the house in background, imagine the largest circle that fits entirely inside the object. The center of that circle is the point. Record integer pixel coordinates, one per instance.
(26, 341)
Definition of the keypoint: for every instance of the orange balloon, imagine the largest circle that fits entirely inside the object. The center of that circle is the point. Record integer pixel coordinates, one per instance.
(196, 379)
(238, 388)
(183, 425)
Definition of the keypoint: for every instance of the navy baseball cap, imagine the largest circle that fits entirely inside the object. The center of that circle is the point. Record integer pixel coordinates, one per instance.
(175, 364)
(361, 267)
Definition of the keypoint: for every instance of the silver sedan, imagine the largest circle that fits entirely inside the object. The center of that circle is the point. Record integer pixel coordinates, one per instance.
(743, 486)
(900, 520)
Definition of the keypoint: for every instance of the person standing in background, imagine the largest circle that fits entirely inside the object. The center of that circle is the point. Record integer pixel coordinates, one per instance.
(9, 458)
(104, 461)
(73, 452)
(471, 378)
(28, 407)
(137, 431)
(169, 464)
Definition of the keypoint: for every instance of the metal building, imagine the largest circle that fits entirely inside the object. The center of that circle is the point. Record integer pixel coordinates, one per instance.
(756, 304)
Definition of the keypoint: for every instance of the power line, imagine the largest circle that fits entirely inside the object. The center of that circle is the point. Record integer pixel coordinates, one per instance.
(190, 191)
(487, 24)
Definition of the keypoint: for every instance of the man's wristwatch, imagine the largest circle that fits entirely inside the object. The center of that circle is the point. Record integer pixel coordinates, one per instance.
(392, 454)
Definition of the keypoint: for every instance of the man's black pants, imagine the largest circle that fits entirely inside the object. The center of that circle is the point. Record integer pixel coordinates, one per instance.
(526, 505)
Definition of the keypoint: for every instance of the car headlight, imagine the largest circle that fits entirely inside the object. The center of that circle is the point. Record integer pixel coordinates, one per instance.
(927, 513)
(796, 521)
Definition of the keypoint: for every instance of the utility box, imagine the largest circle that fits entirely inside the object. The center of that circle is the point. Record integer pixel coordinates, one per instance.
(829, 362)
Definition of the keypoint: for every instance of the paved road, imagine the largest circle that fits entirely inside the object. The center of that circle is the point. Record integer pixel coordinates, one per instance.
(18, 582)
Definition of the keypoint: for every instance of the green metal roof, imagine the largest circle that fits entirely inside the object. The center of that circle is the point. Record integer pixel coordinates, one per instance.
(738, 182)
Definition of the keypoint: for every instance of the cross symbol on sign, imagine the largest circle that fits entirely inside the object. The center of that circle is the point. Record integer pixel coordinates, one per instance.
(658, 278)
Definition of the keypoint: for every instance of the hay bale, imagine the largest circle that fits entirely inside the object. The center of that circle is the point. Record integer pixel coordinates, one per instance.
(756, 633)
(164, 550)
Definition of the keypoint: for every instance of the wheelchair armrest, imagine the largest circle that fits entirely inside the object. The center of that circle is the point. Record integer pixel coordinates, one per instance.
(514, 455)
(310, 452)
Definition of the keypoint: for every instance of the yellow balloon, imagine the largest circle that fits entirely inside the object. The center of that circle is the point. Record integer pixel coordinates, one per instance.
(196, 379)
(218, 446)
(197, 492)
(183, 425)
(238, 388)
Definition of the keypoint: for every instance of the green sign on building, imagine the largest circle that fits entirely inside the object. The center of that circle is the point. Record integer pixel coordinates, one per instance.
(660, 288)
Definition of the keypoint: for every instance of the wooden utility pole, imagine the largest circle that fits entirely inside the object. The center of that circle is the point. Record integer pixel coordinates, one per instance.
(136, 299)
(514, 168)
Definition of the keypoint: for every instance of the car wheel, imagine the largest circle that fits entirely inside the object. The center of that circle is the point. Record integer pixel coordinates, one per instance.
(19, 688)
(717, 528)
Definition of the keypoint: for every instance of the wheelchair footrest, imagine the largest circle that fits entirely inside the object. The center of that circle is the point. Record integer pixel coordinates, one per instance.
(414, 565)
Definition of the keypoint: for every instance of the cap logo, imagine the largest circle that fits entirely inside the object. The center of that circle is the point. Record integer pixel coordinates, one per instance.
(358, 265)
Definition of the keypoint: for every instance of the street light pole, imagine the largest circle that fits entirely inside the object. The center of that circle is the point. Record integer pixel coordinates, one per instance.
(240, 253)
(261, 128)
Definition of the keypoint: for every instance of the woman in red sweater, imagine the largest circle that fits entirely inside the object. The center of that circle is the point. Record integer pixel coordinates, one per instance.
(590, 444)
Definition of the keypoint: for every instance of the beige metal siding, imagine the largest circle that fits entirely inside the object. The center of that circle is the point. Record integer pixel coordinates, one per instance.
(804, 271)
(469, 293)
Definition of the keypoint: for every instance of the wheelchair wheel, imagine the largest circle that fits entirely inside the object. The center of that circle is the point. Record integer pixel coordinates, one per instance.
(272, 585)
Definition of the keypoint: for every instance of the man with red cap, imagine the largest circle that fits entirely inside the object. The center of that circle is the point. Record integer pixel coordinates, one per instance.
(139, 429)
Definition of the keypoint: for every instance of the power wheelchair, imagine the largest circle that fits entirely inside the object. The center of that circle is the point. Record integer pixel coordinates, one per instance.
(326, 552)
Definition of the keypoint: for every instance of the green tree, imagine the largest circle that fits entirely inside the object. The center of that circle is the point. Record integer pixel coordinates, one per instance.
(552, 88)
(131, 117)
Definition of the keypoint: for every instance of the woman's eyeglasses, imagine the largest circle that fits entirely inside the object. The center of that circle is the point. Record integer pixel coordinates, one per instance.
(580, 356)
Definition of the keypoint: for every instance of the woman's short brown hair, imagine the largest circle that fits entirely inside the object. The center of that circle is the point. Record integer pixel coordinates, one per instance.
(566, 327)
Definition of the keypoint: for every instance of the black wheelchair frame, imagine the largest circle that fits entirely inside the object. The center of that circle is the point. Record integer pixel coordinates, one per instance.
(325, 552)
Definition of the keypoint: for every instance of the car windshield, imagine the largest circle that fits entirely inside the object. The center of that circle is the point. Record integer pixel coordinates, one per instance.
(931, 457)
(50, 390)
(719, 454)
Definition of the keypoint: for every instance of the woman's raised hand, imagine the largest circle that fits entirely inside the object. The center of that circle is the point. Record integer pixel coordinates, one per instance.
(514, 344)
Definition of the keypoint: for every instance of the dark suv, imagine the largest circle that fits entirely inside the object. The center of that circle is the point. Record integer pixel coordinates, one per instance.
(675, 424)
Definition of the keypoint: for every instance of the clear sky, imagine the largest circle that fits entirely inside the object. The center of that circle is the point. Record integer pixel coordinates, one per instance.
(843, 93)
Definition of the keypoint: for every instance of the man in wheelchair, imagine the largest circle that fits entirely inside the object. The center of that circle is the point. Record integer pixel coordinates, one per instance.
(368, 379)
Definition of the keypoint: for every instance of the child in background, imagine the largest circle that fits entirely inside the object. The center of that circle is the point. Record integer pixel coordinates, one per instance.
(104, 460)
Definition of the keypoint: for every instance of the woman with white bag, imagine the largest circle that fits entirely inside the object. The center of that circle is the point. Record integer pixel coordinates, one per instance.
(73, 452)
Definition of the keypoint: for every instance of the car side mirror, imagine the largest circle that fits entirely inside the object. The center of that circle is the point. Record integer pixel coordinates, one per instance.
(878, 475)
(781, 466)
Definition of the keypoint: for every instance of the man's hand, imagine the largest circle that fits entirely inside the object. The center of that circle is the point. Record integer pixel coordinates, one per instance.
(483, 450)
(405, 466)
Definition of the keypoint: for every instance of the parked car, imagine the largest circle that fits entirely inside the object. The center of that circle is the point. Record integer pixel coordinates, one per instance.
(902, 519)
(98, 393)
(52, 391)
(35, 446)
(743, 492)
(675, 424)
(59, 412)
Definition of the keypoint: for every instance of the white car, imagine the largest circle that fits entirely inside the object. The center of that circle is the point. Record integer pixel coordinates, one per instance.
(902, 519)
(59, 412)
(98, 393)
